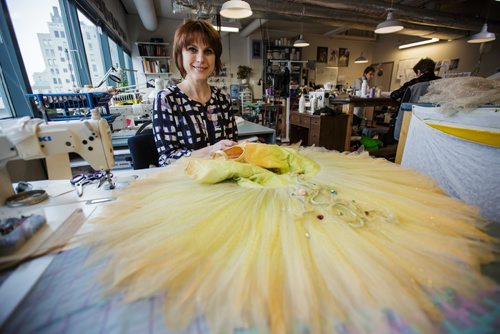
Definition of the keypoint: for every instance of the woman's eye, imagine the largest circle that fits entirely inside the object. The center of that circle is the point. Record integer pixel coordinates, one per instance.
(192, 49)
(209, 51)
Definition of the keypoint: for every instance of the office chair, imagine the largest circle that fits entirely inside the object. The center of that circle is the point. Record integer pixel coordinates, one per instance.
(143, 148)
(412, 95)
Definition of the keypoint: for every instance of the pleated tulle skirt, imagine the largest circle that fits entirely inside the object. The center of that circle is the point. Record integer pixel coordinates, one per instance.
(335, 253)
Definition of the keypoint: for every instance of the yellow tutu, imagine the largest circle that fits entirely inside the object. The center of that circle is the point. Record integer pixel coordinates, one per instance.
(308, 241)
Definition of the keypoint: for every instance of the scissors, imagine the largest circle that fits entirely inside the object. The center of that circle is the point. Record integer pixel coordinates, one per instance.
(81, 180)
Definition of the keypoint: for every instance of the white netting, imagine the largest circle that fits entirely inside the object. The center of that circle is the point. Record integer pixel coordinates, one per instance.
(462, 94)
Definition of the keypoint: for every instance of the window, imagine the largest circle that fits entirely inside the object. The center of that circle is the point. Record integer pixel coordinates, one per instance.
(62, 59)
(59, 48)
(57, 71)
(55, 81)
(65, 70)
(5, 103)
(52, 53)
(94, 55)
(113, 49)
(46, 18)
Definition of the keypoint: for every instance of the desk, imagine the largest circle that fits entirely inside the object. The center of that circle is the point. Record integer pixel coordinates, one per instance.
(348, 106)
(66, 296)
(323, 131)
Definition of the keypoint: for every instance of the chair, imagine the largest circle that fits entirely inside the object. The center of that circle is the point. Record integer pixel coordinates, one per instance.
(412, 95)
(143, 148)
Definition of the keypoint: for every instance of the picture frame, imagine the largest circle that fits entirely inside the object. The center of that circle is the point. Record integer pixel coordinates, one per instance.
(332, 57)
(256, 49)
(343, 57)
(322, 54)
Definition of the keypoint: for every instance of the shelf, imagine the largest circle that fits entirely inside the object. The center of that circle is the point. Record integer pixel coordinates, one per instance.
(153, 50)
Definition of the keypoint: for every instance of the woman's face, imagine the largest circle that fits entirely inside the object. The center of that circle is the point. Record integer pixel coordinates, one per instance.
(370, 75)
(198, 60)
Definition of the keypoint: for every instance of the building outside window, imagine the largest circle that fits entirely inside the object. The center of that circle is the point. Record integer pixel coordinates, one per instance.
(45, 26)
(94, 54)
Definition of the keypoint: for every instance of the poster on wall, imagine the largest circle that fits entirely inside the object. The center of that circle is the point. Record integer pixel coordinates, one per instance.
(405, 70)
(322, 54)
(343, 57)
(454, 63)
(332, 57)
(256, 49)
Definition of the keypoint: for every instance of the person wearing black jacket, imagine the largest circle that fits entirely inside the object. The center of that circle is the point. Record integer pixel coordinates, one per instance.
(424, 70)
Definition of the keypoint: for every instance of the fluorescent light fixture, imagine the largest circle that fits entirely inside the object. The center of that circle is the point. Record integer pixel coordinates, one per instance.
(236, 9)
(227, 28)
(482, 36)
(361, 59)
(300, 42)
(426, 41)
(390, 25)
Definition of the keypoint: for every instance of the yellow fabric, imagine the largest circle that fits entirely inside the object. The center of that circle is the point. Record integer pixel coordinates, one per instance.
(491, 138)
(253, 165)
(340, 245)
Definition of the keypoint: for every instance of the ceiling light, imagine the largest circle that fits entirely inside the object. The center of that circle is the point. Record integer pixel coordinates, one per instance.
(300, 42)
(390, 25)
(236, 9)
(361, 59)
(228, 27)
(482, 36)
(426, 41)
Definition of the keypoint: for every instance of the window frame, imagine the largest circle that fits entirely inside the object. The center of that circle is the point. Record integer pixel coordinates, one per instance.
(16, 78)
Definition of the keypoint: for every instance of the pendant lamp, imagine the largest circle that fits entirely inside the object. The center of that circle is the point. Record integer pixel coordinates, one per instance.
(236, 9)
(390, 25)
(482, 36)
(361, 59)
(300, 42)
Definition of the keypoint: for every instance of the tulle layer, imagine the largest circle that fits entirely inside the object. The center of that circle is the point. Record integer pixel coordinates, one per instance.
(362, 237)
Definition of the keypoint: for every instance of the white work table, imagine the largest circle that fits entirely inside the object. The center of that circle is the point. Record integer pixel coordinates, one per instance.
(16, 284)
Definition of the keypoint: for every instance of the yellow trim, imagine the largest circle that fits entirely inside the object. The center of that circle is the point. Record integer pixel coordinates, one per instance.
(479, 136)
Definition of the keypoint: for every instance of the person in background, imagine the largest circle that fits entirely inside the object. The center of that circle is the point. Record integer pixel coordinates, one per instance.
(192, 118)
(424, 70)
(359, 112)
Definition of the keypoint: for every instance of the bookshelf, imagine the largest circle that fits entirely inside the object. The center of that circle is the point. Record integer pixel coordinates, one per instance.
(155, 58)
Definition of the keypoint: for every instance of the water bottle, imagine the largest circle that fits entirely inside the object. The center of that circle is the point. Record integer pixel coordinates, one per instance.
(364, 88)
(302, 104)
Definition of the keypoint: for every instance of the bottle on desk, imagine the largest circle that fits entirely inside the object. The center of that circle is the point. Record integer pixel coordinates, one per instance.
(302, 104)
(364, 88)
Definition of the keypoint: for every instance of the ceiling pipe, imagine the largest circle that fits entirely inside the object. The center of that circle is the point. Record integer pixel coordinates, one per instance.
(147, 13)
(408, 14)
(254, 25)
(293, 10)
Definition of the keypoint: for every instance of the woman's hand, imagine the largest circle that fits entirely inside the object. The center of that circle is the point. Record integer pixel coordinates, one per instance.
(209, 150)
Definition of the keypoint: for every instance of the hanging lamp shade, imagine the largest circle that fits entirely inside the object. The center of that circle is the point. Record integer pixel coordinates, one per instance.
(361, 59)
(482, 36)
(300, 42)
(390, 25)
(236, 9)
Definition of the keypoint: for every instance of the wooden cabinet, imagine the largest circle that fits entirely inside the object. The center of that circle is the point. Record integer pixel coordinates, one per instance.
(323, 131)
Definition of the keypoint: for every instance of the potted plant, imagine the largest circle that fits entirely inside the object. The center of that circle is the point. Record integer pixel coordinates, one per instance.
(243, 73)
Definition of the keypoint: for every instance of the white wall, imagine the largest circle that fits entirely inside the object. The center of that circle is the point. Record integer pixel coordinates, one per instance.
(386, 49)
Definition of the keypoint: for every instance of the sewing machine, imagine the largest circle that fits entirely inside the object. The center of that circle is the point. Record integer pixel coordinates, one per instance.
(90, 138)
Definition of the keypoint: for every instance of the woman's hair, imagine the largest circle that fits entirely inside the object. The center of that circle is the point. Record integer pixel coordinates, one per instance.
(368, 70)
(196, 31)
(425, 65)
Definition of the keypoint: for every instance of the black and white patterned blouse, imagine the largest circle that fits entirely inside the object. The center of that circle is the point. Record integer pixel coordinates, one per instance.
(182, 125)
